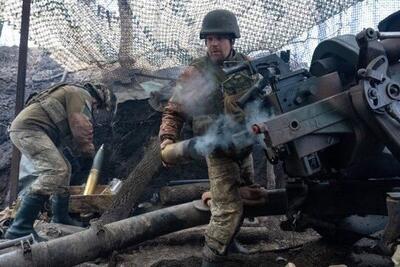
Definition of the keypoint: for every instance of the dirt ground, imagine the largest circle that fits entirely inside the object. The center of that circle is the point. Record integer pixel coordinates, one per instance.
(269, 246)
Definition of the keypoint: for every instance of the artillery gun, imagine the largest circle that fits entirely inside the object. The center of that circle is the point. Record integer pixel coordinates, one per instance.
(332, 129)
(333, 126)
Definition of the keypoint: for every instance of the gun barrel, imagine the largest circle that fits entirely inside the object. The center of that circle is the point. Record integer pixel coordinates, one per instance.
(388, 35)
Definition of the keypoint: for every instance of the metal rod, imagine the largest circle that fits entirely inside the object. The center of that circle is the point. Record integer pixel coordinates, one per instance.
(388, 35)
(19, 102)
(1, 27)
(190, 181)
(10, 243)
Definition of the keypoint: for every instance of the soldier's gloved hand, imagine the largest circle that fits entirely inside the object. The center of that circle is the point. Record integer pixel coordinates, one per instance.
(163, 144)
(166, 142)
(88, 150)
(206, 198)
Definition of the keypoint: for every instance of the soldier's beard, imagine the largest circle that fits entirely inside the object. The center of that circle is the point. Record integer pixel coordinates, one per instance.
(219, 57)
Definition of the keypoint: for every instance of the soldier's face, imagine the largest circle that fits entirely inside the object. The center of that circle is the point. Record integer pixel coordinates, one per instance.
(218, 47)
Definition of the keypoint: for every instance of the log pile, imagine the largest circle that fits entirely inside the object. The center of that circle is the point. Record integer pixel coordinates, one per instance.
(100, 239)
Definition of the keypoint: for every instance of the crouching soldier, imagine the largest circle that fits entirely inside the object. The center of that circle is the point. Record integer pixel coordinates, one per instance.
(57, 117)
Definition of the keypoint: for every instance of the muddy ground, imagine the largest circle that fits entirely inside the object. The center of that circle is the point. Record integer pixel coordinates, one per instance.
(135, 123)
(269, 246)
(272, 248)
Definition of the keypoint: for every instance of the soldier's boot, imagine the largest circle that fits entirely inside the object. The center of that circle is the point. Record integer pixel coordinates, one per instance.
(211, 258)
(236, 247)
(27, 213)
(60, 207)
(392, 229)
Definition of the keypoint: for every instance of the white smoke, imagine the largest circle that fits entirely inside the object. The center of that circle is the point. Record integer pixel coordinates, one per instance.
(198, 95)
(195, 93)
(218, 135)
(225, 133)
(257, 112)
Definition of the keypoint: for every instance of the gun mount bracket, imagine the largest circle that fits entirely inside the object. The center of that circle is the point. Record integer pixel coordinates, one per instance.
(379, 89)
(26, 246)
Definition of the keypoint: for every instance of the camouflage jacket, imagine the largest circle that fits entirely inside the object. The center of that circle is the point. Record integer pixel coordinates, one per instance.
(64, 113)
(203, 92)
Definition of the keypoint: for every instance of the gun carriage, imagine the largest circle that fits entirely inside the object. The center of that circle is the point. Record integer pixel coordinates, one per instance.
(331, 124)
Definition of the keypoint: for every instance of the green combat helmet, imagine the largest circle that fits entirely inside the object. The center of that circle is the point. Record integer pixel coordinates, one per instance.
(104, 96)
(220, 21)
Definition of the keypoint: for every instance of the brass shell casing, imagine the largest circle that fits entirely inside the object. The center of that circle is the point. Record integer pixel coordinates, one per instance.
(173, 153)
(91, 182)
(93, 177)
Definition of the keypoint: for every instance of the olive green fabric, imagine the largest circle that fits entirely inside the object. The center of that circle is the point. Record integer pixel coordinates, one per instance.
(226, 172)
(50, 114)
(226, 176)
(227, 90)
(52, 168)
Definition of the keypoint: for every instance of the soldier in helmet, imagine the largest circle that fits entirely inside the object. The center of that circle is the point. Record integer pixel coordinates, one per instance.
(57, 117)
(203, 93)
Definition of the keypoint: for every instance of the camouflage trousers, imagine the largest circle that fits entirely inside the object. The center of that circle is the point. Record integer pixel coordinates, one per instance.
(226, 176)
(53, 170)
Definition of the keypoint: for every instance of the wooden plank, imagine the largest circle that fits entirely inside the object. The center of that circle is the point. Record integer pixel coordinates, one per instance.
(97, 202)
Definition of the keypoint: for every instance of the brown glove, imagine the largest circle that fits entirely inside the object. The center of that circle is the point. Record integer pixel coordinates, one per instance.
(88, 150)
(206, 198)
(163, 144)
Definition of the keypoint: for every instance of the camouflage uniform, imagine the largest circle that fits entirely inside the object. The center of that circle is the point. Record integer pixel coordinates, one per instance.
(53, 169)
(211, 94)
(61, 117)
(226, 176)
(56, 117)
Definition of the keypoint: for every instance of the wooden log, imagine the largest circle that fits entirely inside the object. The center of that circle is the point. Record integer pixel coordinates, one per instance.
(100, 240)
(133, 187)
(172, 195)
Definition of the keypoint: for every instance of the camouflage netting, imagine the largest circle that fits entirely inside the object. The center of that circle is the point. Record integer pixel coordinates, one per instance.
(159, 34)
(362, 15)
